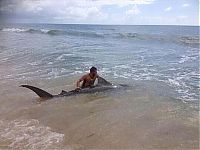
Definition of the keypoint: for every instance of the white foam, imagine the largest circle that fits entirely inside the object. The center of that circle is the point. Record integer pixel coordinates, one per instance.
(172, 69)
(44, 30)
(122, 66)
(33, 63)
(4, 59)
(62, 57)
(76, 72)
(50, 63)
(188, 58)
(54, 72)
(190, 40)
(173, 82)
(29, 134)
(13, 30)
(63, 70)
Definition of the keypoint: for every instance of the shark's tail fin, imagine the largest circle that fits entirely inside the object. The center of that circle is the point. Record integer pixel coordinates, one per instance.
(41, 93)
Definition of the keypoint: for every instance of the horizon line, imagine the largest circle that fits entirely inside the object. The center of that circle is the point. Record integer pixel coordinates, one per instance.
(100, 24)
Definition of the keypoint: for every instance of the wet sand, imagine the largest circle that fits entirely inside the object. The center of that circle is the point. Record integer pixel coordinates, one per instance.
(141, 117)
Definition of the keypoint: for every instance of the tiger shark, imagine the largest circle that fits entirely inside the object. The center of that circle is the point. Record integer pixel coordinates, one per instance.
(101, 86)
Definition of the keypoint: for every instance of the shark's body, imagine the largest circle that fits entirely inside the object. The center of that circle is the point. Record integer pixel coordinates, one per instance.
(102, 85)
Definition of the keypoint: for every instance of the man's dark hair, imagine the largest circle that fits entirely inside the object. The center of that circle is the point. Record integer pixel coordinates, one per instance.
(93, 69)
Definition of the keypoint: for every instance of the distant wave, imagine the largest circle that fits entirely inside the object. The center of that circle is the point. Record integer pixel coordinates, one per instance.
(127, 35)
(179, 39)
(191, 40)
(13, 30)
(52, 32)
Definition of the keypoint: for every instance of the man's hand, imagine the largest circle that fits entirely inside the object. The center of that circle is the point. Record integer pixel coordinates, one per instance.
(77, 89)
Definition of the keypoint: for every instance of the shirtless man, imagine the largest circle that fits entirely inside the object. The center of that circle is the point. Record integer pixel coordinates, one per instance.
(88, 79)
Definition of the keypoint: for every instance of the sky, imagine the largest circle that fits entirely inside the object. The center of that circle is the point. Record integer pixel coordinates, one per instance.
(123, 12)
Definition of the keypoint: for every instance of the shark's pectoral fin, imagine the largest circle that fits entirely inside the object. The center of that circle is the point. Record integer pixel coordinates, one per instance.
(41, 93)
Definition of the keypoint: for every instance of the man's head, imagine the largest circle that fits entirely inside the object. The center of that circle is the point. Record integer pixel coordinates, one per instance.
(93, 71)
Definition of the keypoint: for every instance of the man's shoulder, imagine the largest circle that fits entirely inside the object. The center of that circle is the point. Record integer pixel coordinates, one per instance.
(85, 75)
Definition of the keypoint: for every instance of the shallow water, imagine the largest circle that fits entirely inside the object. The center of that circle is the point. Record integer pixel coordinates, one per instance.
(140, 117)
(163, 53)
(160, 109)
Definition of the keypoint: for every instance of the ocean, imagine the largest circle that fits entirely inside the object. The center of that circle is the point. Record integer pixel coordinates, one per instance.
(160, 63)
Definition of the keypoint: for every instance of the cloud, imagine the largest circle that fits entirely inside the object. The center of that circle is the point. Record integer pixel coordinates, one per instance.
(168, 8)
(133, 11)
(65, 10)
(81, 14)
(185, 5)
(122, 2)
(183, 17)
(94, 11)
(32, 4)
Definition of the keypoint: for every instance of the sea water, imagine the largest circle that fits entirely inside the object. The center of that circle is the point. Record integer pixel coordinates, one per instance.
(161, 63)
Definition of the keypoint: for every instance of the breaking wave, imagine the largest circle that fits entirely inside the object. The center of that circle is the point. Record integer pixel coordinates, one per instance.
(52, 32)
(191, 40)
(13, 30)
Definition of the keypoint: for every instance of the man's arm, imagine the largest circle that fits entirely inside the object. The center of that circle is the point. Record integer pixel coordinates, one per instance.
(79, 81)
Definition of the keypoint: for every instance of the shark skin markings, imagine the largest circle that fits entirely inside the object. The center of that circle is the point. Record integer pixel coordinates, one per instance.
(102, 86)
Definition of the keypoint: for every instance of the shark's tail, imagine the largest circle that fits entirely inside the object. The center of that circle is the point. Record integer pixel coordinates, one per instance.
(41, 93)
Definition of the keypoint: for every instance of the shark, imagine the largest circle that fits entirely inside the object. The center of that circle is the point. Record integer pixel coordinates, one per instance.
(102, 85)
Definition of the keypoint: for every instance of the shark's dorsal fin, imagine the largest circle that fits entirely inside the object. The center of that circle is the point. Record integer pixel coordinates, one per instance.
(41, 93)
(102, 81)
